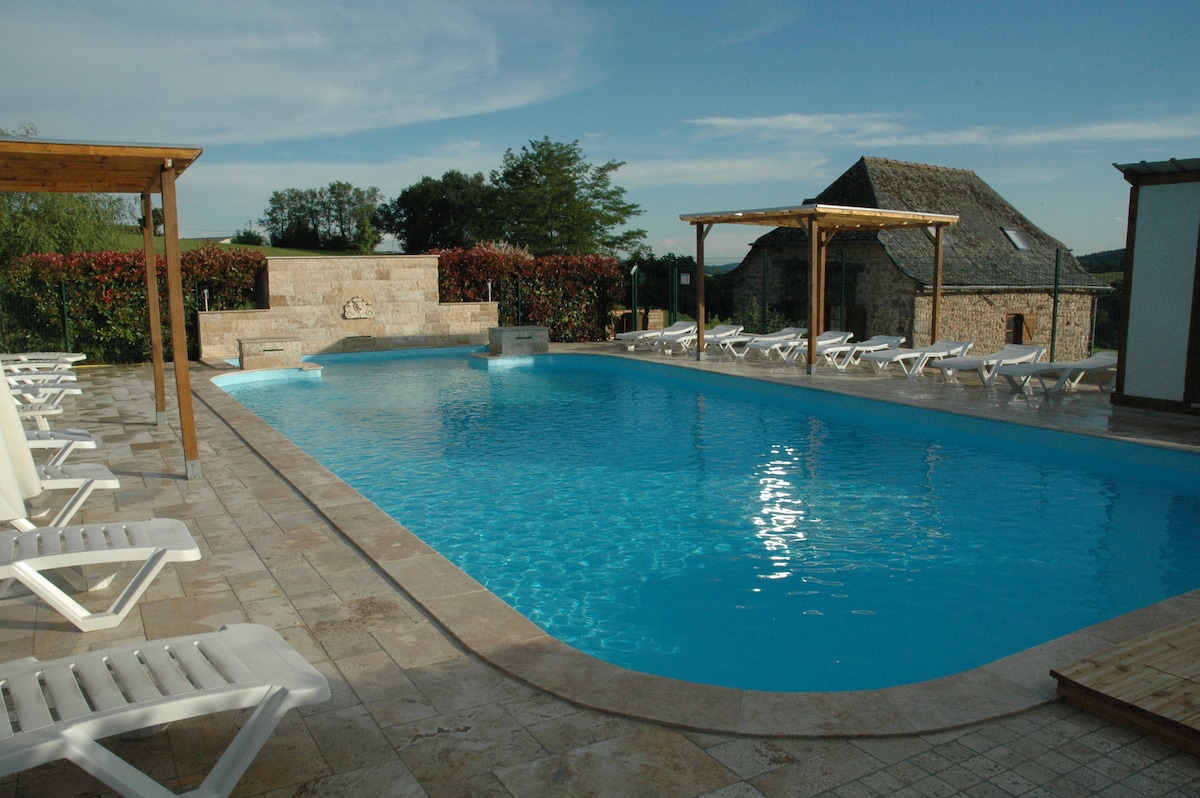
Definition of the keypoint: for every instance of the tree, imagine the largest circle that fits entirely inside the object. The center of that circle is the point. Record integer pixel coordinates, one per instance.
(249, 236)
(551, 201)
(454, 212)
(337, 218)
(291, 219)
(47, 222)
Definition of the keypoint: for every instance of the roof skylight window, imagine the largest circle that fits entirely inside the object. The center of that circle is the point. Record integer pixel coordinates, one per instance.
(1018, 240)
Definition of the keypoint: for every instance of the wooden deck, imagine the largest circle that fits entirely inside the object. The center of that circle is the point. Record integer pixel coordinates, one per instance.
(1151, 683)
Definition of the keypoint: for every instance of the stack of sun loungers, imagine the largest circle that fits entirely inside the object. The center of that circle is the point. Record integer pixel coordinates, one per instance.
(61, 708)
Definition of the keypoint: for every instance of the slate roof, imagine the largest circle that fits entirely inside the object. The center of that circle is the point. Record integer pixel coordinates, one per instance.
(978, 253)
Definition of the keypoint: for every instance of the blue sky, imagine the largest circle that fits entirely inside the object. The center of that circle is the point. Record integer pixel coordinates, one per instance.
(711, 105)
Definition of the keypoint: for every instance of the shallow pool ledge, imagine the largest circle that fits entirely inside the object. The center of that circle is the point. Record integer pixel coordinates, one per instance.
(499, 635)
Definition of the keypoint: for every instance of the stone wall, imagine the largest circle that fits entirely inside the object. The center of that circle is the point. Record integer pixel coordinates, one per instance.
(350, 303)
(981, 317)
(882, 300)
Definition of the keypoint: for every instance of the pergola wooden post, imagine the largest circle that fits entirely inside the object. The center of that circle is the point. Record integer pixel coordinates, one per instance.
(40, 165)
(156, 354)
(935, 313)
(701, 234)
(823, 222)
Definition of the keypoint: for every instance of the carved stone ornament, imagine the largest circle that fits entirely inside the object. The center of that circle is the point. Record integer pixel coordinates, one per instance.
(357, 308)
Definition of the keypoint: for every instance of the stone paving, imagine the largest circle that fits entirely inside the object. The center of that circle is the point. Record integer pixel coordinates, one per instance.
(415, 714)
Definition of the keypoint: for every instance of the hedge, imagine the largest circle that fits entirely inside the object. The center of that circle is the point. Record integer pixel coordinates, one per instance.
(105, 299)
(573, 296)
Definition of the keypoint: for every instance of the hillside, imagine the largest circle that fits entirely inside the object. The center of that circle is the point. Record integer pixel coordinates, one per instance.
(1112, 260)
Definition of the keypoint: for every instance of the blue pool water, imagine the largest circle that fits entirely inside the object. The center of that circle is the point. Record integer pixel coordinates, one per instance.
(743, 534)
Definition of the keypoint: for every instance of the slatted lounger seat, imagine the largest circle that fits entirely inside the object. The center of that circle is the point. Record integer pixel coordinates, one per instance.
(630, 340)
(1066, 375)
(59, 709)
(83, 478)
(61, 441)
(829, 343)
(25, 556)
(730, 345)
(913, 361)
(665, 344)
(986, 365)
(848, 354)
(40, 361)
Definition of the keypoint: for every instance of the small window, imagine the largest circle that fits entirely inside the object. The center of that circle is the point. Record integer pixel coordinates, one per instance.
(1018, 328)
(1018, 240)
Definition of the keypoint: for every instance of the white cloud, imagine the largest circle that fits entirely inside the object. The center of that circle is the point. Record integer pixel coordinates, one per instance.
(884, 129)
(793, 126)
(891, 130)
(229, 71)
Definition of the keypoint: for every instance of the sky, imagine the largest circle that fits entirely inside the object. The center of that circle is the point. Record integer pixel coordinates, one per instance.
(710, 106)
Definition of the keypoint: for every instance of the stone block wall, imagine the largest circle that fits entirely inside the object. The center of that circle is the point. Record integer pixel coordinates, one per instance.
(350, 303)
(981, 318)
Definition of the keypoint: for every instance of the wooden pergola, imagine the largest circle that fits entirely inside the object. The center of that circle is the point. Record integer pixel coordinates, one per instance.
(822, 222)
(40, 165)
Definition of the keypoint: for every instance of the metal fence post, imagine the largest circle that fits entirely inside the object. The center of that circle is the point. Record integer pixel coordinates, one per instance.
(66, 330)
(1054, 316)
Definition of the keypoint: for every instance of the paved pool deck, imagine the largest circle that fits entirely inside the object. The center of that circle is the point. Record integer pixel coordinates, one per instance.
(440, 689)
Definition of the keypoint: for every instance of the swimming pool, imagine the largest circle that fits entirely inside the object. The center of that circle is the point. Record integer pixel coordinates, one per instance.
(744, 534)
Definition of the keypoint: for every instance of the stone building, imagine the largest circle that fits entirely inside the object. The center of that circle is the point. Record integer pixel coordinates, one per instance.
(999, 270)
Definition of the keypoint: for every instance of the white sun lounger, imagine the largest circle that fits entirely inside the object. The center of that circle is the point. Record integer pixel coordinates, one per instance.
(781, 345)
(40, 377)
(40, 361)
(42, 393)
(828, 341)
(59, 709)
(986, 365)
(24, 556)
(1066, 375)
(631, 339)
(850, 354)
(666, 343)
(63, 441)
(730, 345)
(913, 361)
(83, 478)
(39, 402)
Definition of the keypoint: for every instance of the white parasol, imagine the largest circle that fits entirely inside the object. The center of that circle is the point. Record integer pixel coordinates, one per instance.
(19, 478)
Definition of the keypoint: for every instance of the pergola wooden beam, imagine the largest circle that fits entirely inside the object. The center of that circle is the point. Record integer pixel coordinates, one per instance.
(822, 222)
(40, 165)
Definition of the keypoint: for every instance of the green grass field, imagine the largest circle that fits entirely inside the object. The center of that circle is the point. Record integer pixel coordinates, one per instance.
(132, 242)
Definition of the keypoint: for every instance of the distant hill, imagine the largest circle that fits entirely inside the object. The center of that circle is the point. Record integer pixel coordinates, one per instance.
(1111, 261)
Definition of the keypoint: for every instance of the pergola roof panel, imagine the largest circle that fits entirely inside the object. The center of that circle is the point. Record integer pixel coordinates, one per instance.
(828, 217)
(28, 164)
